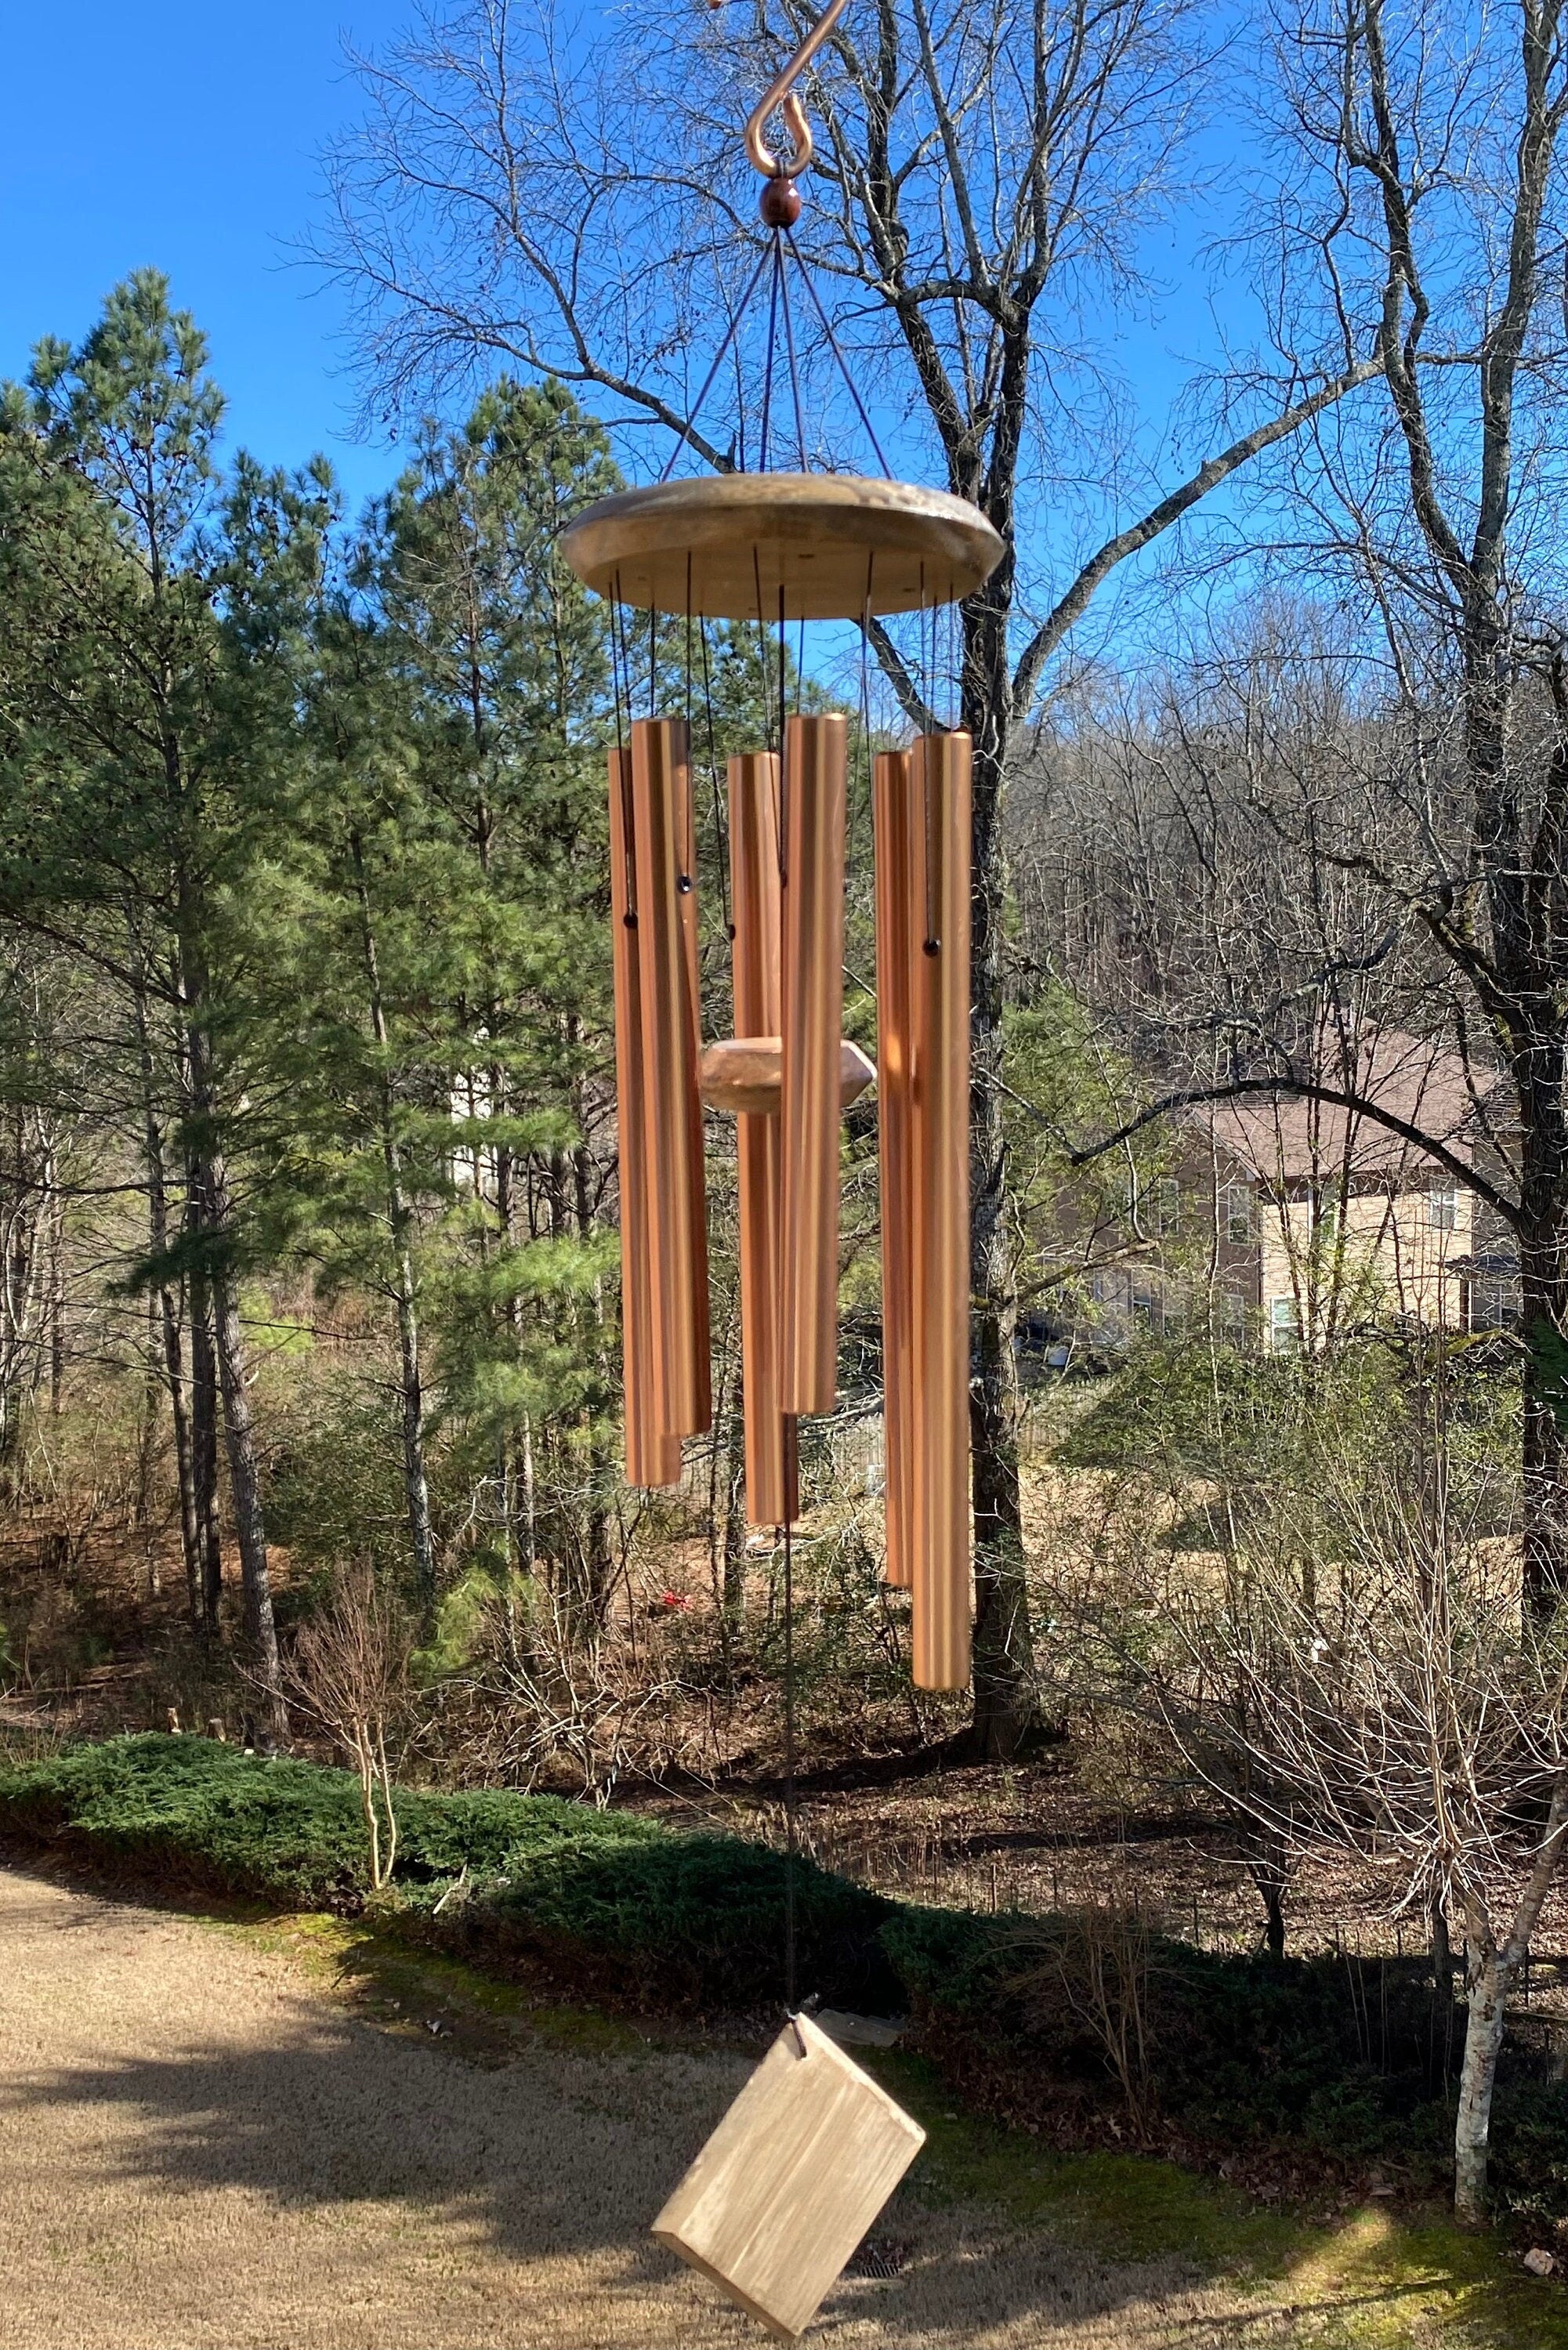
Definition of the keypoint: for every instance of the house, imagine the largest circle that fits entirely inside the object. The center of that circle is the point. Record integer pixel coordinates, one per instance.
(1301, 1219)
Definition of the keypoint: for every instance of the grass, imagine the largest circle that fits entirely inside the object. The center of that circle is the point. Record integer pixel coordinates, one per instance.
(1371, 2281)
(556, 1894)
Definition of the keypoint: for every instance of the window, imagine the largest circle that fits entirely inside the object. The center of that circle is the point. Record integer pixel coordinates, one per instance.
(1443, 1206)
(1232, 1317)
(1142, 1300)
(1236, 1213)
(1167, 1206)
(1285, 1325)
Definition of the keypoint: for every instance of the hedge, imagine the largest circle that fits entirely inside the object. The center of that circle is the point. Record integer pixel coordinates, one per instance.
(692, 1919)
(1345, 2061)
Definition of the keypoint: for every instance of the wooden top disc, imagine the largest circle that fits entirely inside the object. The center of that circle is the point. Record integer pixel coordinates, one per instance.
(723, 543)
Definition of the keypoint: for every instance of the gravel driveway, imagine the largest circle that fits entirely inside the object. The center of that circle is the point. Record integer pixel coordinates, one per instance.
(201, 2146)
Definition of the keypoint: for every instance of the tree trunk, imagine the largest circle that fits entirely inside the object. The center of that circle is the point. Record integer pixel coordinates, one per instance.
(400, 1218)
(261, 1632)
(732, 1593)
(204, 1439)
(1006, 1699)
(1543, 1301)
(1490, 1978)
(173, 1366)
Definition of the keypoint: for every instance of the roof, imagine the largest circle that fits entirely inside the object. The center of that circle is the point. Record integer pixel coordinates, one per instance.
(1292, 1137)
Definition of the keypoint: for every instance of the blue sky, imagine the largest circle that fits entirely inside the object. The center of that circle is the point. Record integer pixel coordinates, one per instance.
(185, 137)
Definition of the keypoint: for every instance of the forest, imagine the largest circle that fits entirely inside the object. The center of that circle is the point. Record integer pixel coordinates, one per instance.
(311, 1380)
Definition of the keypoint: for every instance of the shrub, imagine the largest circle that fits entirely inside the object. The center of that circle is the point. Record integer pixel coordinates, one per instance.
(690, 1919)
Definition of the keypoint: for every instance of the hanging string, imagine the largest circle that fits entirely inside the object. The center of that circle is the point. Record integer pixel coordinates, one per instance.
(838, 355)
(720, 833)
(791, 1970)
(623, 777)
(794, 370)
(866, 694)
(615, 664)
(768, 363)
(764, 663)
(689, 426)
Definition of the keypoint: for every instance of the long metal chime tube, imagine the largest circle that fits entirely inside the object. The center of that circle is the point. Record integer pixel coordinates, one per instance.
(692, 1096)
(771, 1481)
(652, 1458)
(939, 970)
(897, 923)
(666, 936)
(815, 775)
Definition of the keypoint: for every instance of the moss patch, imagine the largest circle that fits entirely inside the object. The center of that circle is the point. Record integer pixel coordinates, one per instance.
(1370, 2282)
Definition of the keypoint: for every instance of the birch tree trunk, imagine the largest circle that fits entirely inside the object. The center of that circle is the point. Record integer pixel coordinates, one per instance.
(1489, 1980)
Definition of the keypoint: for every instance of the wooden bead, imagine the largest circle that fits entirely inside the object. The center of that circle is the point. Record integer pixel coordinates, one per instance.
(780, 202)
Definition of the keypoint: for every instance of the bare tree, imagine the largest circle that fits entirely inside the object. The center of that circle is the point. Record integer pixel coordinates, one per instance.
(1423, 180)
(518, 196)
(1396, 1703)
(348, 1669)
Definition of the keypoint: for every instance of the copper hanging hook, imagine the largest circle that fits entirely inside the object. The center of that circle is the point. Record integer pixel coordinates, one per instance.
(781, 92)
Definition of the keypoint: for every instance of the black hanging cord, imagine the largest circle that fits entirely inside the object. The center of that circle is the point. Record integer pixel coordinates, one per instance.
(719, 832)
(838, 355)
(615, 665)
(794, 370)
(763, 661)
(768, 363)
(689, 426)
(792, 1829)
(623, 779)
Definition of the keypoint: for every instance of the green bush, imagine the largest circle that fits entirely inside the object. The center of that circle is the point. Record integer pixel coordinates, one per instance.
(698, 1919)
(1346, 2059)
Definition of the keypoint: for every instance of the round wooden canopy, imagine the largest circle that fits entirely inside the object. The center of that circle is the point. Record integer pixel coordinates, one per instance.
(722, 545)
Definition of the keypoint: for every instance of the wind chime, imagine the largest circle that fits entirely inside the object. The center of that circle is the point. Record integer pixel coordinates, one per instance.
(771, 548)
(787, 2185)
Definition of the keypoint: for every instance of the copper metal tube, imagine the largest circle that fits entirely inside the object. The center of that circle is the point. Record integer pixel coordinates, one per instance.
(672, 1113)
(772, 1499)
(939, 773)
(652, 1458)
(812, 1016)
(696, 1160)
(898, 928)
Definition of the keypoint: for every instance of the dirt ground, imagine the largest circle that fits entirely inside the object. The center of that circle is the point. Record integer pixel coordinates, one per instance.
(204, 2145)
